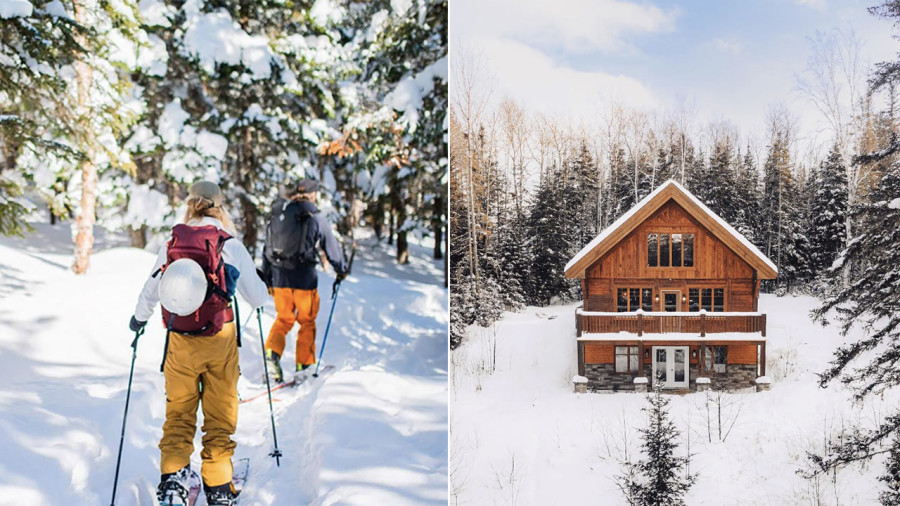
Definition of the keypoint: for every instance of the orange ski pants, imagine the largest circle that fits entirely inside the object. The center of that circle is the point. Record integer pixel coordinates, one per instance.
(299, 306)
(201, 371)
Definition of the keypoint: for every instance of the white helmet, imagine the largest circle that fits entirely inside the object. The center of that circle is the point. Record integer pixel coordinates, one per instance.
(183, 287)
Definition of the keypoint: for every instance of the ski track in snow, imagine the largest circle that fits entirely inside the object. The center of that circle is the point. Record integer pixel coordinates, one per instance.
(566, 448)
(372, 432)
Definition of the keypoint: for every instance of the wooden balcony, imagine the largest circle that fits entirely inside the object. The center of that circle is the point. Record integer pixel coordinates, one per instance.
(641, 323)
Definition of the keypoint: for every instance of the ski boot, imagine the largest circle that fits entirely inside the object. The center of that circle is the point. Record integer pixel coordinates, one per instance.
(173, 488)
(273, 363)
(222, 495)
(302, 372)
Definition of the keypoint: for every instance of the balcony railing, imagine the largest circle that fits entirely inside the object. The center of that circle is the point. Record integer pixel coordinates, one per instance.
(639, 323)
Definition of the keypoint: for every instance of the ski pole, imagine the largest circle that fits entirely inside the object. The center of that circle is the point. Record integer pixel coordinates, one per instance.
(337, 290)
(137, 334)
(276, 453)
(334, 296)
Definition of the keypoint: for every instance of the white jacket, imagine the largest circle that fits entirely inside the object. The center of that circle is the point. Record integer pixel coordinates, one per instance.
(251, 288)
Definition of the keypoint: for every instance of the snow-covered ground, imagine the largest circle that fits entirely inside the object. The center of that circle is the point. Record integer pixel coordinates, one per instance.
(518, 435)
(373, 432)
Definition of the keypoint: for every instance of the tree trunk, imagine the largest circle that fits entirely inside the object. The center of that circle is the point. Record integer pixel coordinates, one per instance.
(84, 223)
(249, 212)
(447, 258)
(391, 226)
(402, 248)
(378, 218)
(138, 237)
(437, 224)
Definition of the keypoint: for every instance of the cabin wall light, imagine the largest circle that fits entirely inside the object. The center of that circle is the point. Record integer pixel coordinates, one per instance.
(646, 353)
(693, 353)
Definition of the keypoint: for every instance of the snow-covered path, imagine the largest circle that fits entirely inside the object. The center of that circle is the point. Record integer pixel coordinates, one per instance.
(373, 432)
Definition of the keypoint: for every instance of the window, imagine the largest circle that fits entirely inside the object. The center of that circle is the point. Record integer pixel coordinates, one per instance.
(632, 299)
(626, 358)
(676, 250)
(710, 299)
(718, 299)
(715, 359)
(670, 250)
(688, 250)
(622, 300)
(706, 299)
(647, 299)
(663, 250)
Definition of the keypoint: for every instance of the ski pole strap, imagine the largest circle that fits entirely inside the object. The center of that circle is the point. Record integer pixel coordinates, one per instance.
(237, 320)
(166, 346)
(137, 334)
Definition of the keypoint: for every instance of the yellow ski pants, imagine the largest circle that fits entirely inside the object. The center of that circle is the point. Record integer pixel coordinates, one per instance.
(201, 370)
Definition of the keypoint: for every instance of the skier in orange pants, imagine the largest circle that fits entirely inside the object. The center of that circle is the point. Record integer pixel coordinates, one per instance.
(294, 236)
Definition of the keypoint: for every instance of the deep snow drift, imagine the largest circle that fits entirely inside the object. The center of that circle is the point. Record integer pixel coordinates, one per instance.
(519, 435)
(373, 432)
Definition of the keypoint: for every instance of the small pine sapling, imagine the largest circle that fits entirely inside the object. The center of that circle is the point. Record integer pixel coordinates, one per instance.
(660, 478)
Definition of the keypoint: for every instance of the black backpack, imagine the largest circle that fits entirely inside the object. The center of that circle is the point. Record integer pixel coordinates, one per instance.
(290, 236)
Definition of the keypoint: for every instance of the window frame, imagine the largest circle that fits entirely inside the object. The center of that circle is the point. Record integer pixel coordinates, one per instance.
(698, 295)
(712, 354)
(641, 291)
(665, 241)
(632, 359)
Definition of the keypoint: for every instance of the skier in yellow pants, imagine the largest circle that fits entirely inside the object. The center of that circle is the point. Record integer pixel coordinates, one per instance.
(196, 273)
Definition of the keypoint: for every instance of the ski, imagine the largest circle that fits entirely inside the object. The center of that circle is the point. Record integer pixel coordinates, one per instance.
(296, 381)
(238, 479)
(241, 473)
(196, 487)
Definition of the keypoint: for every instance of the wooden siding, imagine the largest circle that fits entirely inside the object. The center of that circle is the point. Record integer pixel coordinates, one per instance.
(738, 353)
(599, 354)
(742, 354)
(669, 192)
(626, 266)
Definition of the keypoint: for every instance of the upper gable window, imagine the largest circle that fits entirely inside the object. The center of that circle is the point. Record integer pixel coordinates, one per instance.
(670, 250)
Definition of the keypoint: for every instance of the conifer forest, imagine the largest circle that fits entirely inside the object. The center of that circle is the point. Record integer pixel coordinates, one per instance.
(109, 110)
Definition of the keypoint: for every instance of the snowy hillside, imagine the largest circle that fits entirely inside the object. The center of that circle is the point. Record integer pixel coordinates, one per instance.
(518, 435)
(373, 432)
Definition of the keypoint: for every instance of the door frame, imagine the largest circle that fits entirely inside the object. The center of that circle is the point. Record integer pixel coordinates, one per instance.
(670, 383)
(662, 299)
(670, 323)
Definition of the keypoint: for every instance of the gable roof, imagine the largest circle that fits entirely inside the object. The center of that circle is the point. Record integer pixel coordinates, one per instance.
(670, 190)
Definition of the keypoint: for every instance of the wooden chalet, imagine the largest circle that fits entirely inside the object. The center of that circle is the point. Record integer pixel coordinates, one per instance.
(670, 294)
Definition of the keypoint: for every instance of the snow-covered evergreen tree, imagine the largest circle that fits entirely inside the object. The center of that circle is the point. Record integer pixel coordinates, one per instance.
(783, 225)
(550, 223)
(659, 477)
(828, 212)
(891, 478)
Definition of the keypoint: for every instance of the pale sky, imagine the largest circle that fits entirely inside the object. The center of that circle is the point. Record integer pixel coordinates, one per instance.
(732, 60)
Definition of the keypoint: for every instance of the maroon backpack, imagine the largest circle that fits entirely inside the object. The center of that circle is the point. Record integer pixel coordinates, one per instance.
(203, 245)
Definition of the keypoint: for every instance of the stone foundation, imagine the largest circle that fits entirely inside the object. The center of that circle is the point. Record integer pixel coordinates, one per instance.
(736, 376)
(604, 378)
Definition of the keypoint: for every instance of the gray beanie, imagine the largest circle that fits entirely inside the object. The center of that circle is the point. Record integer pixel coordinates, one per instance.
(207, 190)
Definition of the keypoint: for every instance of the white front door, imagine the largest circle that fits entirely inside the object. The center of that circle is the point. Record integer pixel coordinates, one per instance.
(670, 366)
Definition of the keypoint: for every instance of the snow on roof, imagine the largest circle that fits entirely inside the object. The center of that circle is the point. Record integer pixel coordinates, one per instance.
(631, 212)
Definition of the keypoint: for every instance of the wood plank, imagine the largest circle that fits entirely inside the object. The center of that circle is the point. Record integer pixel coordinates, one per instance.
(691, 213)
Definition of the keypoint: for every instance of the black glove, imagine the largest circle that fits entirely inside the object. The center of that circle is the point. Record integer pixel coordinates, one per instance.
(262, 276)
(337, 280)
(136, 325)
